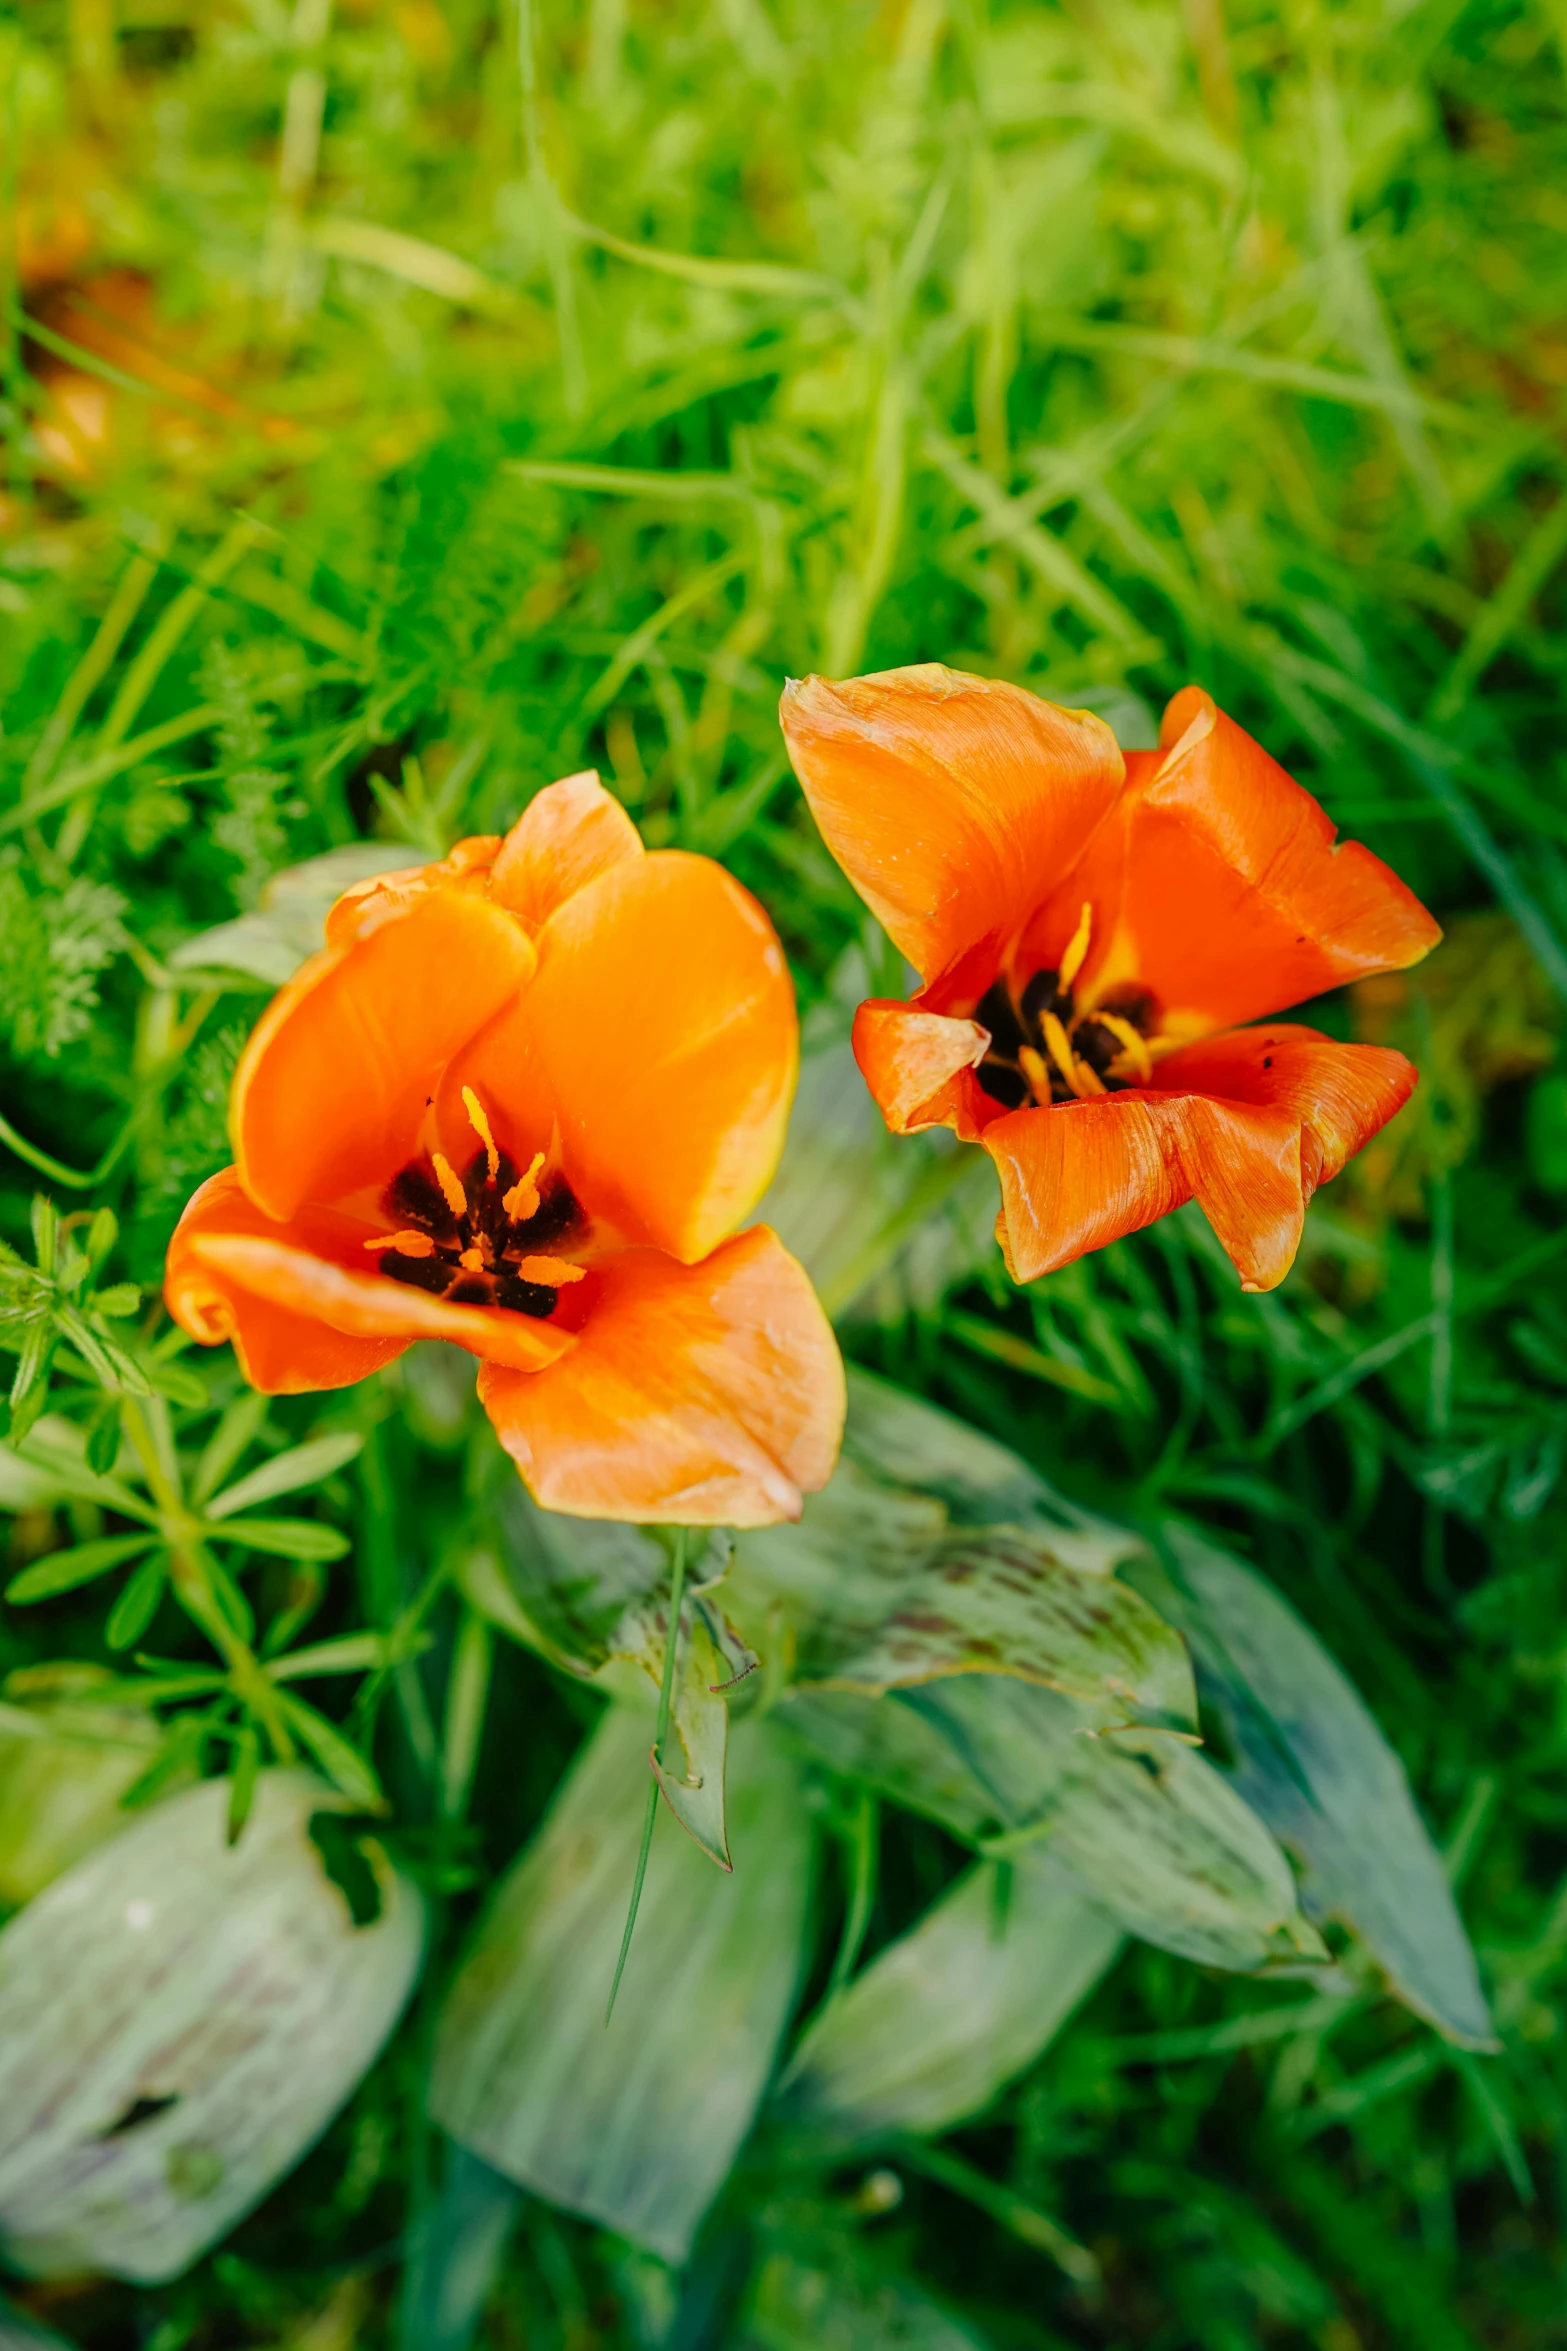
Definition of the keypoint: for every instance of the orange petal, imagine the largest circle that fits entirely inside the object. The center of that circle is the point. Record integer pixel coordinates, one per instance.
(1247, 1125)
(365, 904)
(705, 1395)
(951, 802)
(566, 837)
(1219, 885)
(919, 1067)
(333, 1084)
(276, 1267)
(663, 1019)
(281, 1351)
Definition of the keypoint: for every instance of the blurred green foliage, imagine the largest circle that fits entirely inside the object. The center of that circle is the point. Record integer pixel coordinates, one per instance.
(409, 403)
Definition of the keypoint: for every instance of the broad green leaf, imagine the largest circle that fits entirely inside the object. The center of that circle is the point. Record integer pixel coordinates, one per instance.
(285, 1473)
(179, 2021)
(62, 1571)
(290, 923)
(711, 1660)
(1156, 1834)
(635, 2125)
(946, 2015)
(454, 2254)
(281, 1538)
(872, 1590)
(1310, 1758)
(65, 1763)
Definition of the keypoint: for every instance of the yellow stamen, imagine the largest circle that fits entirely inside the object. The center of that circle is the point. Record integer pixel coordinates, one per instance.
(450, 1183)
(1086, 1081)
(522, 1201)
(481, 1127)
(406, 1244)
(551, 1273)
(1072, 960)
(1056, 1044)
(1037, 1071)
(1135, 1046)
(473, 1259)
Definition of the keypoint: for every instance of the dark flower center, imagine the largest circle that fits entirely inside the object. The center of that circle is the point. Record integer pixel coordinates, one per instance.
(479, 1239)
(1042, 1049)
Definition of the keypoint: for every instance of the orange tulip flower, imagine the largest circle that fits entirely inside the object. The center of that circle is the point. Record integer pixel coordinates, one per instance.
(521, 1102)
(1090, 928)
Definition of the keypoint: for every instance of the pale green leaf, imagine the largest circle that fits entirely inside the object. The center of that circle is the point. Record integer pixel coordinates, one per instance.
(635, 2125)
(945, 2016)
(179, 2021)
(281, 1538)
(286, 1473)
(63, 1571)
(290, 923)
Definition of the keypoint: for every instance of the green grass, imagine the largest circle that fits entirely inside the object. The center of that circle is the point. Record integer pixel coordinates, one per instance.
(565, 378)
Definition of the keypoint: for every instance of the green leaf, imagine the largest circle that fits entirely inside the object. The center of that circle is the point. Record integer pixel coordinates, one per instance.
(565, 1585)
(102, 1234)
(56, 1450)
(103, 1443)
(302, 1465)
(238, 1426)
(873, 1591)
(635, 2125)
(137, 1605)
(837, 2297)
(222, 1987)
(122, 1299)
(945, 2016)
(281, 1538)
(1311, 1760)
(66, 1761)
(1159, 1838)
(62, 1571)
(290, 923)
(342, 1762)
(905, 1442)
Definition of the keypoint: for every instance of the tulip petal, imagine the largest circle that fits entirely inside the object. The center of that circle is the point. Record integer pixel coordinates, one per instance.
(663, 1019)
(1247, 1124)
(1220, 886)
(331, 1089)
(565, 838)
(706, 1395)
(300, 1317)
(950, 801)
(919, 1067)
(281, 1351)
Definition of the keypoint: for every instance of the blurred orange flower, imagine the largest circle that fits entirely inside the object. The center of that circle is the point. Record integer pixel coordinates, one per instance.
(521, 1102)
(1090, 928)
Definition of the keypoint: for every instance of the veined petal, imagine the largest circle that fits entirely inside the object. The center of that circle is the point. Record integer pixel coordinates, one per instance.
(662, 1015)
(281, 1351)
(565, 838)
(331, 1088)
(704, 1395)
(950, 801)
(919, 1067)
(1219, 885)
(1247, 1125)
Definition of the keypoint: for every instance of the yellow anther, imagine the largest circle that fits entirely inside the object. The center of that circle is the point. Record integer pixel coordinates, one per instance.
(1037, 1071)
(406, 1244)
(1057, 1044)
(522, 1201)
(473, 1259)
(1072, 960)
(1084, 1082)
(551, 1273)
(1133, 1045)
(481, 1127)
(451, 1184)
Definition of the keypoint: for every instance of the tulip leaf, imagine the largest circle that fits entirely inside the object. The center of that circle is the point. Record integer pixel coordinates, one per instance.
(281, 1538)
(637, 2124)
(945, 2016)
(874, 1590)
(1158, 1837)
(290, 924)
(18, 2333)
(63, 1571)
(1310, 1758)
(285, 1473)
(711, 1660)
(179, 2020)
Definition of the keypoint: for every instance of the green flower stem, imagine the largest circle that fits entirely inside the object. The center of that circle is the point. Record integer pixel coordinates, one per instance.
(666, 1696)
